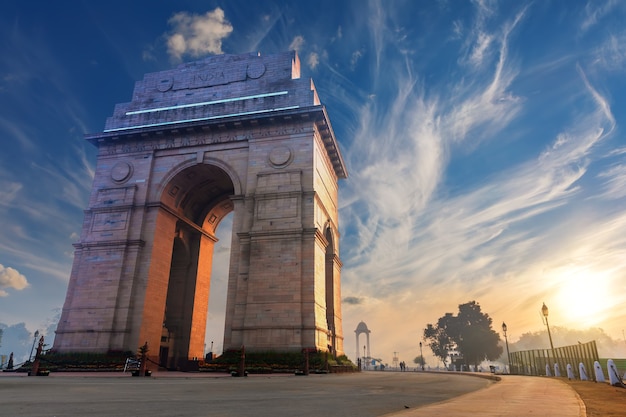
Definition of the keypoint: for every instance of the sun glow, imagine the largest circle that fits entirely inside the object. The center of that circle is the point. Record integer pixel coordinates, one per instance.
(584, 298)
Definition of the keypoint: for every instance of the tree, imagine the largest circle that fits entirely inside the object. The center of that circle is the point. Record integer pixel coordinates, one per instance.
(419, 360)
(437, 338)
(469, 332)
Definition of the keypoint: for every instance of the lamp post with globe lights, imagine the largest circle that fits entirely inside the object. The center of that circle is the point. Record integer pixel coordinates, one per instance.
(506, 340)
(544, 312)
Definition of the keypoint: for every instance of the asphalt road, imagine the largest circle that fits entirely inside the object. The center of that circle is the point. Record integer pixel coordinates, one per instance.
(177, 395)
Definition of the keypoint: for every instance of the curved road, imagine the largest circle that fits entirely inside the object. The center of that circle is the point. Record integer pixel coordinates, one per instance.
(175, 394)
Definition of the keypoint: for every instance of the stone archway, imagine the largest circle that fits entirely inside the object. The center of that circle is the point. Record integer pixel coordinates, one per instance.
(231, 133)
(199, 198)
(360, 329)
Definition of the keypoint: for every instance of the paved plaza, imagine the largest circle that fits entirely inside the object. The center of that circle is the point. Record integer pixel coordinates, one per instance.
(365, 394)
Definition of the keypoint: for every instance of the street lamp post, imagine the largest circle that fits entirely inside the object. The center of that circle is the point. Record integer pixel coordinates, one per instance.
(506, 340)
(544, 311)
(421, 356)
(33, 347)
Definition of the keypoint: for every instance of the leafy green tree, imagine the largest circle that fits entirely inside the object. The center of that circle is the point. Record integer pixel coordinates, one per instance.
(469, 332)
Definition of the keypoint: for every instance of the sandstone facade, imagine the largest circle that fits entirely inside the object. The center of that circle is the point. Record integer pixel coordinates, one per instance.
(231, 133)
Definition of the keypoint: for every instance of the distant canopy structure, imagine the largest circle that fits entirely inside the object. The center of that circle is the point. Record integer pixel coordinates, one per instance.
(362, 328)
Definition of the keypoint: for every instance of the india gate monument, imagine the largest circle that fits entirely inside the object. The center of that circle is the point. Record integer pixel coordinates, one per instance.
(230, 133)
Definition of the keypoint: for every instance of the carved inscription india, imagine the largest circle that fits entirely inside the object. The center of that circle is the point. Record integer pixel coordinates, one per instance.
(212, 76)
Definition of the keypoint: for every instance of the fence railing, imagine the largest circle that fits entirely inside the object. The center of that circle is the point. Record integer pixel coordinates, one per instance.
(533, 362)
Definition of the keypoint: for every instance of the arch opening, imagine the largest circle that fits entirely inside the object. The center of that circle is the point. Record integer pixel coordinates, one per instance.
(216, 315)
(199, 199)
(330, 291)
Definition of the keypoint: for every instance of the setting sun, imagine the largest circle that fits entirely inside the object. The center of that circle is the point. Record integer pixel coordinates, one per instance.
(583, 298)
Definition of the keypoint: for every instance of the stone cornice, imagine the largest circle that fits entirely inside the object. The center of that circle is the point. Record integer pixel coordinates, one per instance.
(109, 243)
(226, 130)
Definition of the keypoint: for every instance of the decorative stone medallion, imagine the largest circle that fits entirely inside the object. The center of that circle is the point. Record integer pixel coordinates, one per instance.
(121, 172)
(255, 70)
(280, 156)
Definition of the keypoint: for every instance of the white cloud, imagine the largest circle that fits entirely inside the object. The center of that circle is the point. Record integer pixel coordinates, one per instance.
(494, 107)
(398, 158)
(11, 278)
(354, 59)
(485, 8)
(313, 60)
(602, 102)
(612, 54)
(595, 13)
(614, 182)
(296, 44)
(479, 39)
(197, 35)
(481, 47)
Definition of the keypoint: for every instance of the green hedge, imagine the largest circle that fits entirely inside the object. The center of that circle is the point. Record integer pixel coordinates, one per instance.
(274, 361)
(255, 362)
(80, 361)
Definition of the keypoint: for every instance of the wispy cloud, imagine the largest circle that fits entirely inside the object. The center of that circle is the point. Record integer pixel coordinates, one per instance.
(297, 43)
(457, 29)
(355, 58)
(8, 192)
(477, 56)
(408, 231)
(495, 221)
(614, 182)
(378, 27)
(352, 300)
(595, 11)
(259, 34)
(14, 132)
(612, 53)
(313, 60)
(400, 155)
(493, 107)
(478, 40)
(339, 34)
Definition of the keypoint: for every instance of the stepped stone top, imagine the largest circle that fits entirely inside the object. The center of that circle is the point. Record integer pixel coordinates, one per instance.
(221, 90)
(215, 88)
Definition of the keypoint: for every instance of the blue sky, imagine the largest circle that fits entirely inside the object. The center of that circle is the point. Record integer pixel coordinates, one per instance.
(484, 143)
